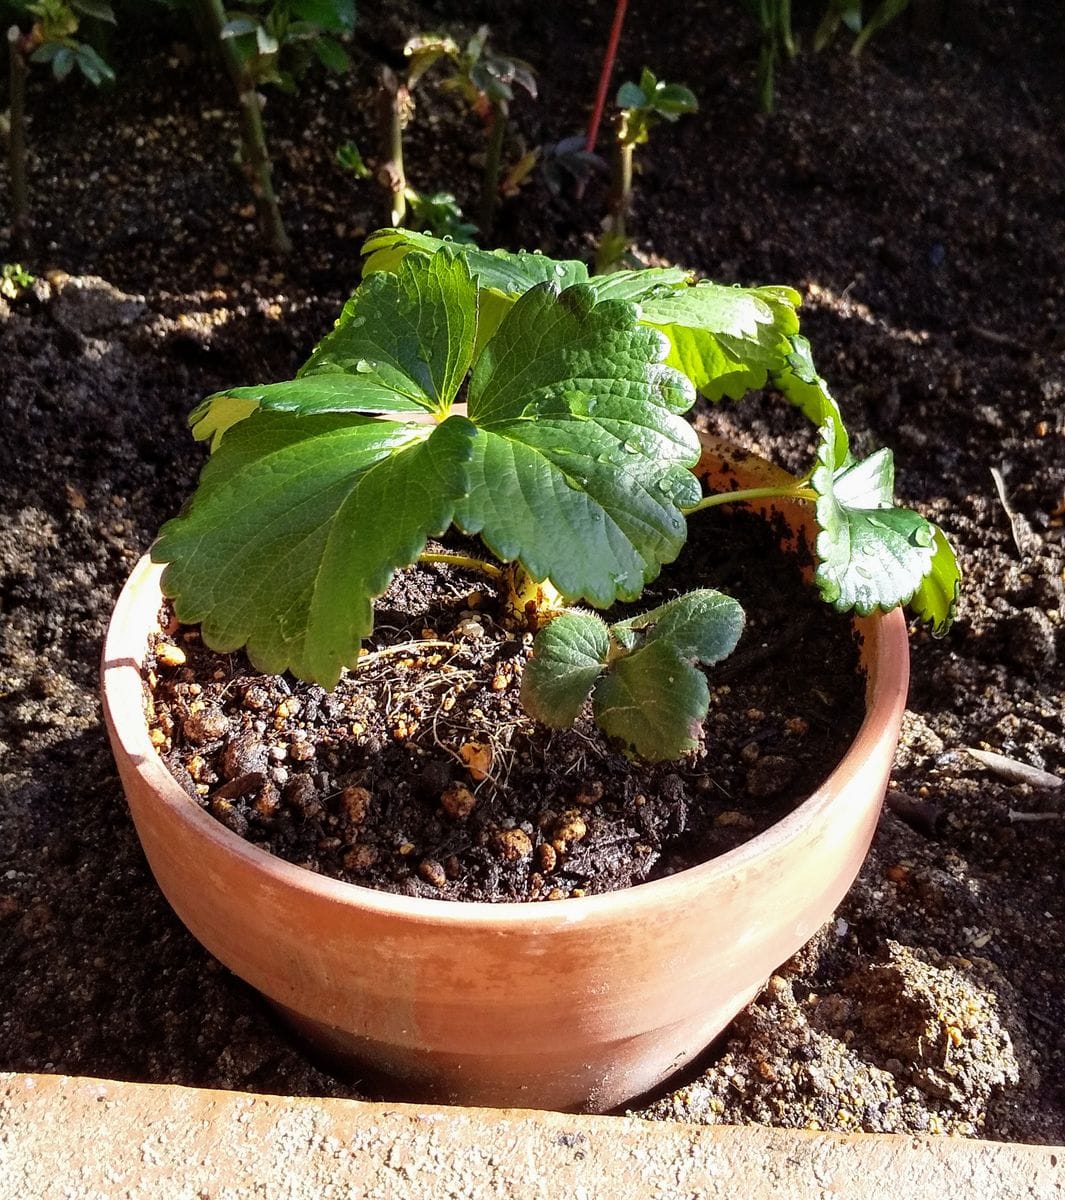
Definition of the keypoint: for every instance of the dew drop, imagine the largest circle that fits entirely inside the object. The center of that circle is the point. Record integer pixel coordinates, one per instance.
(560, 270)
(631, 447)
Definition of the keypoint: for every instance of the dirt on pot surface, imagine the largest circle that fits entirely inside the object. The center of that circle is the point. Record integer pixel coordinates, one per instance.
(916, 198)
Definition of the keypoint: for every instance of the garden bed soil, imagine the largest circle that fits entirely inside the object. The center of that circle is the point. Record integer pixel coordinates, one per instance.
(915, 198)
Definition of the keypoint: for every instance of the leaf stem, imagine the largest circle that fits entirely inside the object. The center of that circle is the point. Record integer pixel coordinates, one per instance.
(466, 563)
(741, 497)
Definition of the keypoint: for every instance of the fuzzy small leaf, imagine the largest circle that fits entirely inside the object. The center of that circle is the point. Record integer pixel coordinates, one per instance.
(631, 95)
(282, 547)
(871, 554)
(580, 466)
(655, 698)
(570, 654)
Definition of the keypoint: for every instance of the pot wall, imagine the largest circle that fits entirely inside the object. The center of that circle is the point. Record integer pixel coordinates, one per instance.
(577, 1004)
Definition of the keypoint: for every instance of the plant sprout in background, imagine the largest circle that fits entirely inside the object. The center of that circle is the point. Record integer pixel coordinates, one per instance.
(643, 105)
(253, 45)
(51, 39)
(850, 13)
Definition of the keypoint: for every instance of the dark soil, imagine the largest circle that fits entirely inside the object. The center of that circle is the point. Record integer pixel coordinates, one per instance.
(421, 773)
(917, 199)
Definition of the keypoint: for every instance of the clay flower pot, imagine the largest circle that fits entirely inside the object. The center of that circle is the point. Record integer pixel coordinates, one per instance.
(578, 1004)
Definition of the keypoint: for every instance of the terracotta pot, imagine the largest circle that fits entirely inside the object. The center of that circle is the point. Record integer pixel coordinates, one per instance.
(578, 1004)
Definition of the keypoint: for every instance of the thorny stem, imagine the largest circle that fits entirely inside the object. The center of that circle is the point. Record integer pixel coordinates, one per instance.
(16, 151)
(740, 497)
(255, 156)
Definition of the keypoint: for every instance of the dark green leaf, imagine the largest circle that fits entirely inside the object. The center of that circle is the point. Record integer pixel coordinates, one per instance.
(337, 16)
(63, 62)
(331, 54)
(411, 332)
(630, 95)
(240, 27)
(570, 654)
(283, 546)
(579, 467)
(654, 698)
(92, 66)
(99, 9)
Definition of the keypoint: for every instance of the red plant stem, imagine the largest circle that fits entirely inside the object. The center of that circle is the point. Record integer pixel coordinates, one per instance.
(604, 75)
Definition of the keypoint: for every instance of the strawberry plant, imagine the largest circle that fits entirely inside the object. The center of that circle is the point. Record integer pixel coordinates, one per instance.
(517, 399)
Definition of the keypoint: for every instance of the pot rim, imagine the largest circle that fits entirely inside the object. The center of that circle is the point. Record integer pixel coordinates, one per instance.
(886, 652)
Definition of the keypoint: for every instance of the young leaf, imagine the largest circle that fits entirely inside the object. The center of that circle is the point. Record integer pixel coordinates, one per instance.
(571, 653)
(641, 285)
(654, 698)
(725, 339)
(579, 466)
(283, 547)
(871, 554)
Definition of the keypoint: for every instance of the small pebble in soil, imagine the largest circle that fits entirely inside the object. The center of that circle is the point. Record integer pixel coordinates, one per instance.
(458, 801)
(433, 872)
(571, 827)
(769, 776)
(206, 725)
(355, 804)
(512, 845)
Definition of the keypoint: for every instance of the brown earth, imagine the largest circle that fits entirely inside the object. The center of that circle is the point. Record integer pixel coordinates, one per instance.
(917, 199)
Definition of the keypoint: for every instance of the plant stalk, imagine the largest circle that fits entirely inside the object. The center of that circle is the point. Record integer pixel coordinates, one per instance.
(464, 562)
(615, 237)
(16, 150)
(254, 154)
(395, 102)
(741, 497)
(492, 161)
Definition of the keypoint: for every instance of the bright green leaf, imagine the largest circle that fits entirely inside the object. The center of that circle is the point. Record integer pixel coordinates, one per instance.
(871, 554)
(800, 383)
(725, 339)
(640, 285)
(936, 600)
(512, 274)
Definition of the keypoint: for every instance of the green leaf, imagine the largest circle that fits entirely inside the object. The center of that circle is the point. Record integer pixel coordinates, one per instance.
(673, 100)
(646, 687)
(726, 339)
(631, 95)
(337, 16)
(412, 332)
(936, 600)
(641, 285)
(800, 383)
(92, 66)
(580, 466)
(654, 698)
(570, 654)
(331, 54)
(99, 9)
(509, 273)
(283, 546)
(240, 27)
(871, 554)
